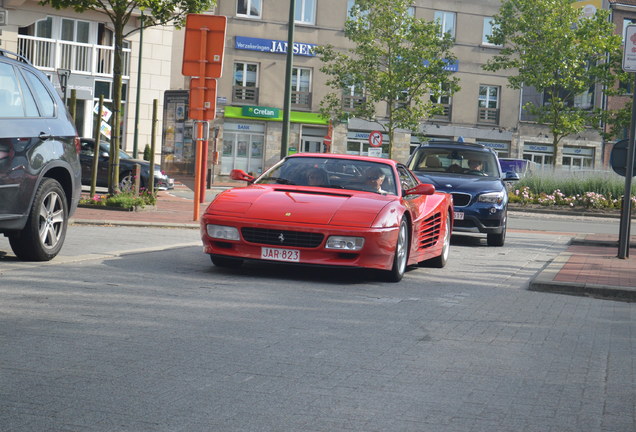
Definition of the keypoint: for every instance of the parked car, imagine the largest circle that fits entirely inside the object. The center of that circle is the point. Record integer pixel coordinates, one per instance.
(40, 172)
(330, 210)
(480, 199)
(126, 168)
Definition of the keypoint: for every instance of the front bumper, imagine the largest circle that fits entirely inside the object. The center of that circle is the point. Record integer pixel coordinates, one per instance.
(377, 252)
(481, 218)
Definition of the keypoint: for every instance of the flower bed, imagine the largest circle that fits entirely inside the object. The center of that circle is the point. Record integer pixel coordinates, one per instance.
(120, 200)
(587, 200)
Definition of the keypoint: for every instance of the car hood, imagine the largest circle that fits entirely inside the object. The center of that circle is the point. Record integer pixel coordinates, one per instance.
(301, 205)
(461, 183)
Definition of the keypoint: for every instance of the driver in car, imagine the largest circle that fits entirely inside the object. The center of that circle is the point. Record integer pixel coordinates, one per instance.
(475, 165)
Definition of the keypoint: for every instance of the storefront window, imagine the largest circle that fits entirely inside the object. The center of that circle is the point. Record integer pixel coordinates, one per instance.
(577, 158)
(243, 147)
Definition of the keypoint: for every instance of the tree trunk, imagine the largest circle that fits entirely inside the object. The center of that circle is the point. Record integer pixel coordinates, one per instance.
(115, 146)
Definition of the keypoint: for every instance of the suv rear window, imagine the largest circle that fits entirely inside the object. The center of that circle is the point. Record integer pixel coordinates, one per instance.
(42, 95)
(10, 100)
(16, 99)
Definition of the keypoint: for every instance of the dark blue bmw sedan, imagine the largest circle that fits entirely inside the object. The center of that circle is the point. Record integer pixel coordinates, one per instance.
(472, 175)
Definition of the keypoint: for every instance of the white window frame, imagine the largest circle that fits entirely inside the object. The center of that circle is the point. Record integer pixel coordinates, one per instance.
(296, 74)
(487, 31)
(448, 21)
(304, 8)
(488, 98)
(244, 66)
(248, 7)
(75, 24)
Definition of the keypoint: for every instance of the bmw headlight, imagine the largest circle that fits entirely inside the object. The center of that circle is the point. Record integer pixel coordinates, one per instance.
(345, 243)
(222, 232)
(492, 197)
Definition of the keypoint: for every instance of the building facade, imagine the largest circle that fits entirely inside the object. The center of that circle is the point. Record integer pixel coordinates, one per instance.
(250, 92)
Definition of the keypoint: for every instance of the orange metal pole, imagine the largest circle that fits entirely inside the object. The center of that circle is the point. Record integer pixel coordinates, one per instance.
(197, 171)
(204, 164)
(198, 150)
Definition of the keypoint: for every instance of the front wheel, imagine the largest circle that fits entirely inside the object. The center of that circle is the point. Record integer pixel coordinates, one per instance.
(499, 239)
(401, 255)
(43, 235)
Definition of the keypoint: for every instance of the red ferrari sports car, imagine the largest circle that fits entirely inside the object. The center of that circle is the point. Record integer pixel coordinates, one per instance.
(331, 210)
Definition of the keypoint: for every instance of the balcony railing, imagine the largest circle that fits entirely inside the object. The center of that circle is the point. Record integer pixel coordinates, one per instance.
(244, 94)
(301, 99)
(350, 102)
(80, 58)
(489, 115)
(445, 115)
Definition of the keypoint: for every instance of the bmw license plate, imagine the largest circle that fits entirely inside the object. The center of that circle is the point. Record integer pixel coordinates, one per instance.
(459, 216)
(276, 254)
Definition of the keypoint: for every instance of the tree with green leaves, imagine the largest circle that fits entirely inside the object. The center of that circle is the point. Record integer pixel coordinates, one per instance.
(562, 54)
(119, 12)
(397, 60)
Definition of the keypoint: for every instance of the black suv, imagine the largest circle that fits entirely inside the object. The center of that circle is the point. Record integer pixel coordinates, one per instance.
(471, 173)
(40, 173)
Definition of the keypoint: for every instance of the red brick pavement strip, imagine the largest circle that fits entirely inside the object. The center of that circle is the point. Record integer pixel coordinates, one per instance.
(598, 265)
(591, 267)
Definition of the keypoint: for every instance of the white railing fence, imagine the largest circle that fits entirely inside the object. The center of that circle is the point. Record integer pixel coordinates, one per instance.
(80, 58)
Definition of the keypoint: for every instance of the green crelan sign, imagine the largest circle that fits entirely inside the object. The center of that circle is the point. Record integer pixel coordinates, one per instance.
(260, 112)
(294, 116)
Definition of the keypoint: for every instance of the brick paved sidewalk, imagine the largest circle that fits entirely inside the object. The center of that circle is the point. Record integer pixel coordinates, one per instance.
(590, 266)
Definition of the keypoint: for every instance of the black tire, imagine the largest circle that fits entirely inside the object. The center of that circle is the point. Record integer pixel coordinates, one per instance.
(441, 260)
(220, 261)
(401, 255)
(43, 235)
(499, 239)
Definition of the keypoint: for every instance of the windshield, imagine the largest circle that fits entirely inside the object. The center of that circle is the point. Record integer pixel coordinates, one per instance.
(455, 161)
(332, 173)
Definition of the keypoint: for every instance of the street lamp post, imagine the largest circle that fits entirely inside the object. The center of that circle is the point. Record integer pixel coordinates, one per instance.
(288, 75)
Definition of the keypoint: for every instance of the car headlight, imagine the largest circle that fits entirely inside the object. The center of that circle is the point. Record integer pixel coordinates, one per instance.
(492, 197)
(345, 243)
(222, 232)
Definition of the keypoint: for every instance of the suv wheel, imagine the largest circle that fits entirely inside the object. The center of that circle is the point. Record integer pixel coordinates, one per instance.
(498, 239)
(43, 235)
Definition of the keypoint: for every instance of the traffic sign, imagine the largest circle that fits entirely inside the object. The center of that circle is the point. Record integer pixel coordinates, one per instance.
(207, 32)
(202, 98)
(375, 139)
(629, 50)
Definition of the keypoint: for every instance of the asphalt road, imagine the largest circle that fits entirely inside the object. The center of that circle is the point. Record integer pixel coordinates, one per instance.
(133, 329)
